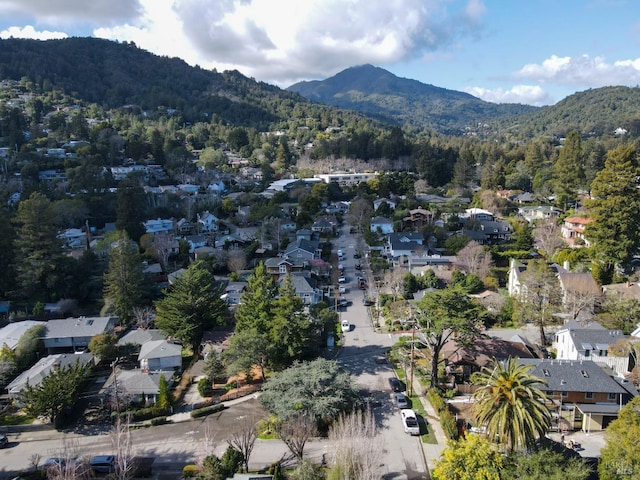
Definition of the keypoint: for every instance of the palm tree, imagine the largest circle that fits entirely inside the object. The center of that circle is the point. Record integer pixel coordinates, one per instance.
(510, 404)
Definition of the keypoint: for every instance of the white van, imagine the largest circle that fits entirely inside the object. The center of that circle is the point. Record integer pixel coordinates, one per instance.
(410, 421)
(346, 326)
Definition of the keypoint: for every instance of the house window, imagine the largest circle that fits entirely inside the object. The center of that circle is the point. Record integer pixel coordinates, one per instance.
(612, 396)
(604, 353)
(588, 395)
(587, 353)
(565, 394)
(283, 268)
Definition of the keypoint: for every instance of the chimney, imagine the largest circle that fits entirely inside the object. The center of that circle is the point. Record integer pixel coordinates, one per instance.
(566, 265)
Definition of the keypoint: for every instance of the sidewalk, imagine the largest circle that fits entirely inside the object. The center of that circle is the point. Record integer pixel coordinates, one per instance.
(431, 452)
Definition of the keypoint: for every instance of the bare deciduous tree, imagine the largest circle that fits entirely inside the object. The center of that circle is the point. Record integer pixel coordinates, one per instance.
(143, 317)
(473, 258)
(162, 247)
(244, 439)
(67, 465)
(357, 446)
(236, 261)
(547, 237)
(296, 431)
(122, 444)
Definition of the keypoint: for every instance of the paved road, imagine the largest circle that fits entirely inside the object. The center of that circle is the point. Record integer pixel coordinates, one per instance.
(363, 354)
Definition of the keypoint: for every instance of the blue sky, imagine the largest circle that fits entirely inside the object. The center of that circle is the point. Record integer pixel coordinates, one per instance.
(523, 51)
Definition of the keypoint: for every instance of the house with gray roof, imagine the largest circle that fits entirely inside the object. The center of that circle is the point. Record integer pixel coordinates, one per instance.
(591, 341)
(139, 336)
(583, 396)
(280, 266)
(303, 249)
(44, 367)
(160, 355)
(306, 288)
(10, 334)
(382, 225)
(134, 386)
(74, 334)
(401, 244)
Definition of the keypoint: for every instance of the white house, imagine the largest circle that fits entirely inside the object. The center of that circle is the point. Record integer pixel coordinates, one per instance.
(381, 225)
(208, 222)
(591, 341)
(159, 225)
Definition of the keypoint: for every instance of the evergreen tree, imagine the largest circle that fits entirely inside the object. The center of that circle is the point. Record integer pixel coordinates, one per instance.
(124, 279)
(620, 457)
(615, 229)
(165, 397)
(568, 171)
(290, 326)
(255, 309)
(130, 208)
(191, 305)
(57, 391)
(39, 249)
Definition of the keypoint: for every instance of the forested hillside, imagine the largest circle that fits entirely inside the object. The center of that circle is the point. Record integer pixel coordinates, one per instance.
(409, 103)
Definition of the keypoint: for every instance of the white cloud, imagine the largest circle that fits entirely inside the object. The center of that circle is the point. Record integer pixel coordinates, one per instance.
(583, 71)
(526, 94)
(283, 41)
(29, 32)
(65, 12)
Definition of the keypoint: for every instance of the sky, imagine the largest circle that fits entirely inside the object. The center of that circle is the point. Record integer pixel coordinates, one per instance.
(535, 52)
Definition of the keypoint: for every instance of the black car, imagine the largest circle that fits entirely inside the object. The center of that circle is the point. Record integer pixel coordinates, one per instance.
(4, 441)
(396, 385)
(358, 266)
(356, 256)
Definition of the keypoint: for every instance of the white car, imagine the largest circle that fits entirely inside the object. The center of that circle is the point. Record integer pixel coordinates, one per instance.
(342, 279)
(346, 326)
(342, 289)
(410, 421)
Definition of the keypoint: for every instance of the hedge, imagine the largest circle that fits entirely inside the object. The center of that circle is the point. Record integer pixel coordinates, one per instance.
(190, 471)
(201, 412)
(145, 413)
(447, 420)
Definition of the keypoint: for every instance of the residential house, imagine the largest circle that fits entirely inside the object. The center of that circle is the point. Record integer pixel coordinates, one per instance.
(134, 387)
(306, 288)
(379, 201)
(73, 238)
(203, 252)
(43, 367)
(539, 213)
(74, 334)
(229, 242)
(381, 225)
(160, 355)
(346, 178)
(622, 291)
(325, 226)
(338, 207)
(463, 360)
(303, 249)
(140, 336)
(304, 234)
(233, 292)
(583, 395)
(184, 227)
(159, 225)
(195, 241)
(280, 266)
(591, 341)
(525, 197)
(573, 229)
(404, 244)
(11, 333)
(488, 232)
(207, 222)
(417, 218)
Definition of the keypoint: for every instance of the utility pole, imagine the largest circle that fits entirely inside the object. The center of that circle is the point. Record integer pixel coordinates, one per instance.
(115, 384)
(413, 343)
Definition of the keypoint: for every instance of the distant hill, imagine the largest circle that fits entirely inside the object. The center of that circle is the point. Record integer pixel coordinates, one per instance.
(378, 93)
(114, 74)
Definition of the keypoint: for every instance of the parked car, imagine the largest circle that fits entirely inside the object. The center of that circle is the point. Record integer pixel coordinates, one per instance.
(346, 326)
(410, 421)
(60, 467)
(401, 400)
(367, 302)
(4, 441)
(396, 385)
(342, 279)
(358, 266)
(103, 463)
(356, 255)
(342, 289)
(341, 267)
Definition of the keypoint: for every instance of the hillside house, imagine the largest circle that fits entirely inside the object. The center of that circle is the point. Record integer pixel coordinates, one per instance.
(573, 229)
(381, 225)
(160, 355)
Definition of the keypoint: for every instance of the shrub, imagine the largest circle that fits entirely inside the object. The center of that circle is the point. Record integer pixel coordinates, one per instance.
(447, 420)
(190, 471)
(202, 412)
(159, 421)
(204, 387)
(146, 413)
